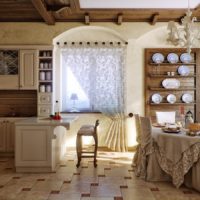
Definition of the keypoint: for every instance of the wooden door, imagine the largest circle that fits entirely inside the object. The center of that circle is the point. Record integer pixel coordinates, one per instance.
(28, 69)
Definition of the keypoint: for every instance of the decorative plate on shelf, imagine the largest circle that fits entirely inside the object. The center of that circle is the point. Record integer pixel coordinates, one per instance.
(187, 98)
(156, 98)
(171, 98)
(186, 58)
(172, 58)
(184, 70)
(158, 58)
(171, 83)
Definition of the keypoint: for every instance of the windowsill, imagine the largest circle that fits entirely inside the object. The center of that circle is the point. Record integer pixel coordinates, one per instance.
(82, 112)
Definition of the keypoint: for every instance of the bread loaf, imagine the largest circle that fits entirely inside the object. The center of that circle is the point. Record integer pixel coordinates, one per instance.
(194, 127)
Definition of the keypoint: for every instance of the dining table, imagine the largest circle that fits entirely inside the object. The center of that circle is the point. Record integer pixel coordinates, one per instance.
(177, 153)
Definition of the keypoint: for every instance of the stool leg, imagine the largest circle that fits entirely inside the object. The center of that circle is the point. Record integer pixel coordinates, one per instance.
(78, 149)
(95, 150)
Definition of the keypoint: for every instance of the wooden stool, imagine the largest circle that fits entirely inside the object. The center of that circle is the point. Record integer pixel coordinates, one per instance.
(87, 130)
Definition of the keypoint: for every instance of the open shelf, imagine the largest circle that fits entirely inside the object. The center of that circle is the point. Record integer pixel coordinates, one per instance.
(171, 89)
(155, 74)
(175, 76)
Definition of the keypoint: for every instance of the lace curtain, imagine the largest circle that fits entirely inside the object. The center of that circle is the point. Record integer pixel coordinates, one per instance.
(101, 73)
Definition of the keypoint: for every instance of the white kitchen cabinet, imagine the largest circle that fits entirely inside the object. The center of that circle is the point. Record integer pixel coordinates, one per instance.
(28, 69)
(44, 110)
(45, 98)
(18, 69)
(39, 144)
(9, 69)
(2, 136)
(7, 135)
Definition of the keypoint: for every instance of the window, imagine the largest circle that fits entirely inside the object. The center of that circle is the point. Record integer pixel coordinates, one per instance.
(92, 79)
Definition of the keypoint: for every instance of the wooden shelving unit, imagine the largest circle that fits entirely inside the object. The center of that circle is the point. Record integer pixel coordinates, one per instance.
(156, 73)
(45, 86)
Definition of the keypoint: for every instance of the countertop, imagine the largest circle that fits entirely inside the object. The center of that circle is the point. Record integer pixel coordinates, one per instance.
(65, 121)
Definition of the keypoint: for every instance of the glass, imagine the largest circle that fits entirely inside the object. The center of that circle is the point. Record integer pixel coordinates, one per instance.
(9, 62)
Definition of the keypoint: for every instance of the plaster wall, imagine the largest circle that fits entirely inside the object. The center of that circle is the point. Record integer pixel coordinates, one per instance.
(138, 36)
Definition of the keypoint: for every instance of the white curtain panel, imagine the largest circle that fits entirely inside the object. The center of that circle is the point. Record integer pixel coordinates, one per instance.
(101, 73)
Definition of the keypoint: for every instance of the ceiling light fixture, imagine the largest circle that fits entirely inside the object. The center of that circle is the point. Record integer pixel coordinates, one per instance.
(186, 34)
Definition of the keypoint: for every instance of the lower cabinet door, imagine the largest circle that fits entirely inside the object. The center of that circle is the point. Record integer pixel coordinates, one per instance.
(2, 136)
(10, 136)
(33, 146)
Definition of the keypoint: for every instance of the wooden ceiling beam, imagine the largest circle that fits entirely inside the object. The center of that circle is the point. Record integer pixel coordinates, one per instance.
(154, 18)
(45, 14)
(63, 12)
(75, 5)
(119, 19)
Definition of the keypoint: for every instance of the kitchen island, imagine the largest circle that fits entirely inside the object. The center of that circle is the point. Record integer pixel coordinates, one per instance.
(39, 143)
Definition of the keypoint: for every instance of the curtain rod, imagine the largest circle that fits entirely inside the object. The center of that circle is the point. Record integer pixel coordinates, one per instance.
(88, 43)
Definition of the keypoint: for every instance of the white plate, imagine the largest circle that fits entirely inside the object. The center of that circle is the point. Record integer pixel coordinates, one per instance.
(187, 98)
(156, 98)
(171, 98)
(186, 58)
(158, 58)
(171, 83)
(184, 70)
(172, 58)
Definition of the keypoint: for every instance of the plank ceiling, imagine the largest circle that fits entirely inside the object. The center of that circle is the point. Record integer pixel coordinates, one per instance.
(86, 11)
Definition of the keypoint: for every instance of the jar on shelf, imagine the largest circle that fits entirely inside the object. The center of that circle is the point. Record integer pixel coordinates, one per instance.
(48, 88)
(44, 53)
(48, 54)
(45, 65)
(42, 76)
(48, 76)
(41, 65)
(42, 88)
(50, 65)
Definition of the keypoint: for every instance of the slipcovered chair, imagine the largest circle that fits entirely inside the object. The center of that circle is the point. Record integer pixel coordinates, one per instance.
(145, 147)
(137, 154)
(147, 166)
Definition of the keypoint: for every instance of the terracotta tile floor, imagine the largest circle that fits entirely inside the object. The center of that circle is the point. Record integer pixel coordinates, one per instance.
(113, 179)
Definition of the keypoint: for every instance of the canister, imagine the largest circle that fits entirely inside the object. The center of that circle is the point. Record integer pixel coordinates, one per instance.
(42, 76)
(42, 88)
(48, 88)
(48, 76)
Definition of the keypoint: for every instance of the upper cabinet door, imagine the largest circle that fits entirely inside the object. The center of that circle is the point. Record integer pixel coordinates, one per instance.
(9, 67)
(28, 69)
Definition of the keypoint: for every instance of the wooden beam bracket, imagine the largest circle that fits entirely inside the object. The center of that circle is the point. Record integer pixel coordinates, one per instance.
(154, 18)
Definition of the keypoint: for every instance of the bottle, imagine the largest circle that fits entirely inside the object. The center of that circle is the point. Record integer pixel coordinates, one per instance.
(188, 119)
(57, 111)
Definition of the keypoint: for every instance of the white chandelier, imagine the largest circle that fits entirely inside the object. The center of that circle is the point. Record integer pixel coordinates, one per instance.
(186, 34)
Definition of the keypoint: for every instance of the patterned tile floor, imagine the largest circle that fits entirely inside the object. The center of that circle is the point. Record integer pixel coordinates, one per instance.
(113, 179)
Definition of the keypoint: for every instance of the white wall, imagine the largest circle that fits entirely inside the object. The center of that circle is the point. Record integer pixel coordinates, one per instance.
(138, 35)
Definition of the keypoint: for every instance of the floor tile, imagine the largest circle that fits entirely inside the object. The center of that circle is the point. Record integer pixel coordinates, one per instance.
(112, 179)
